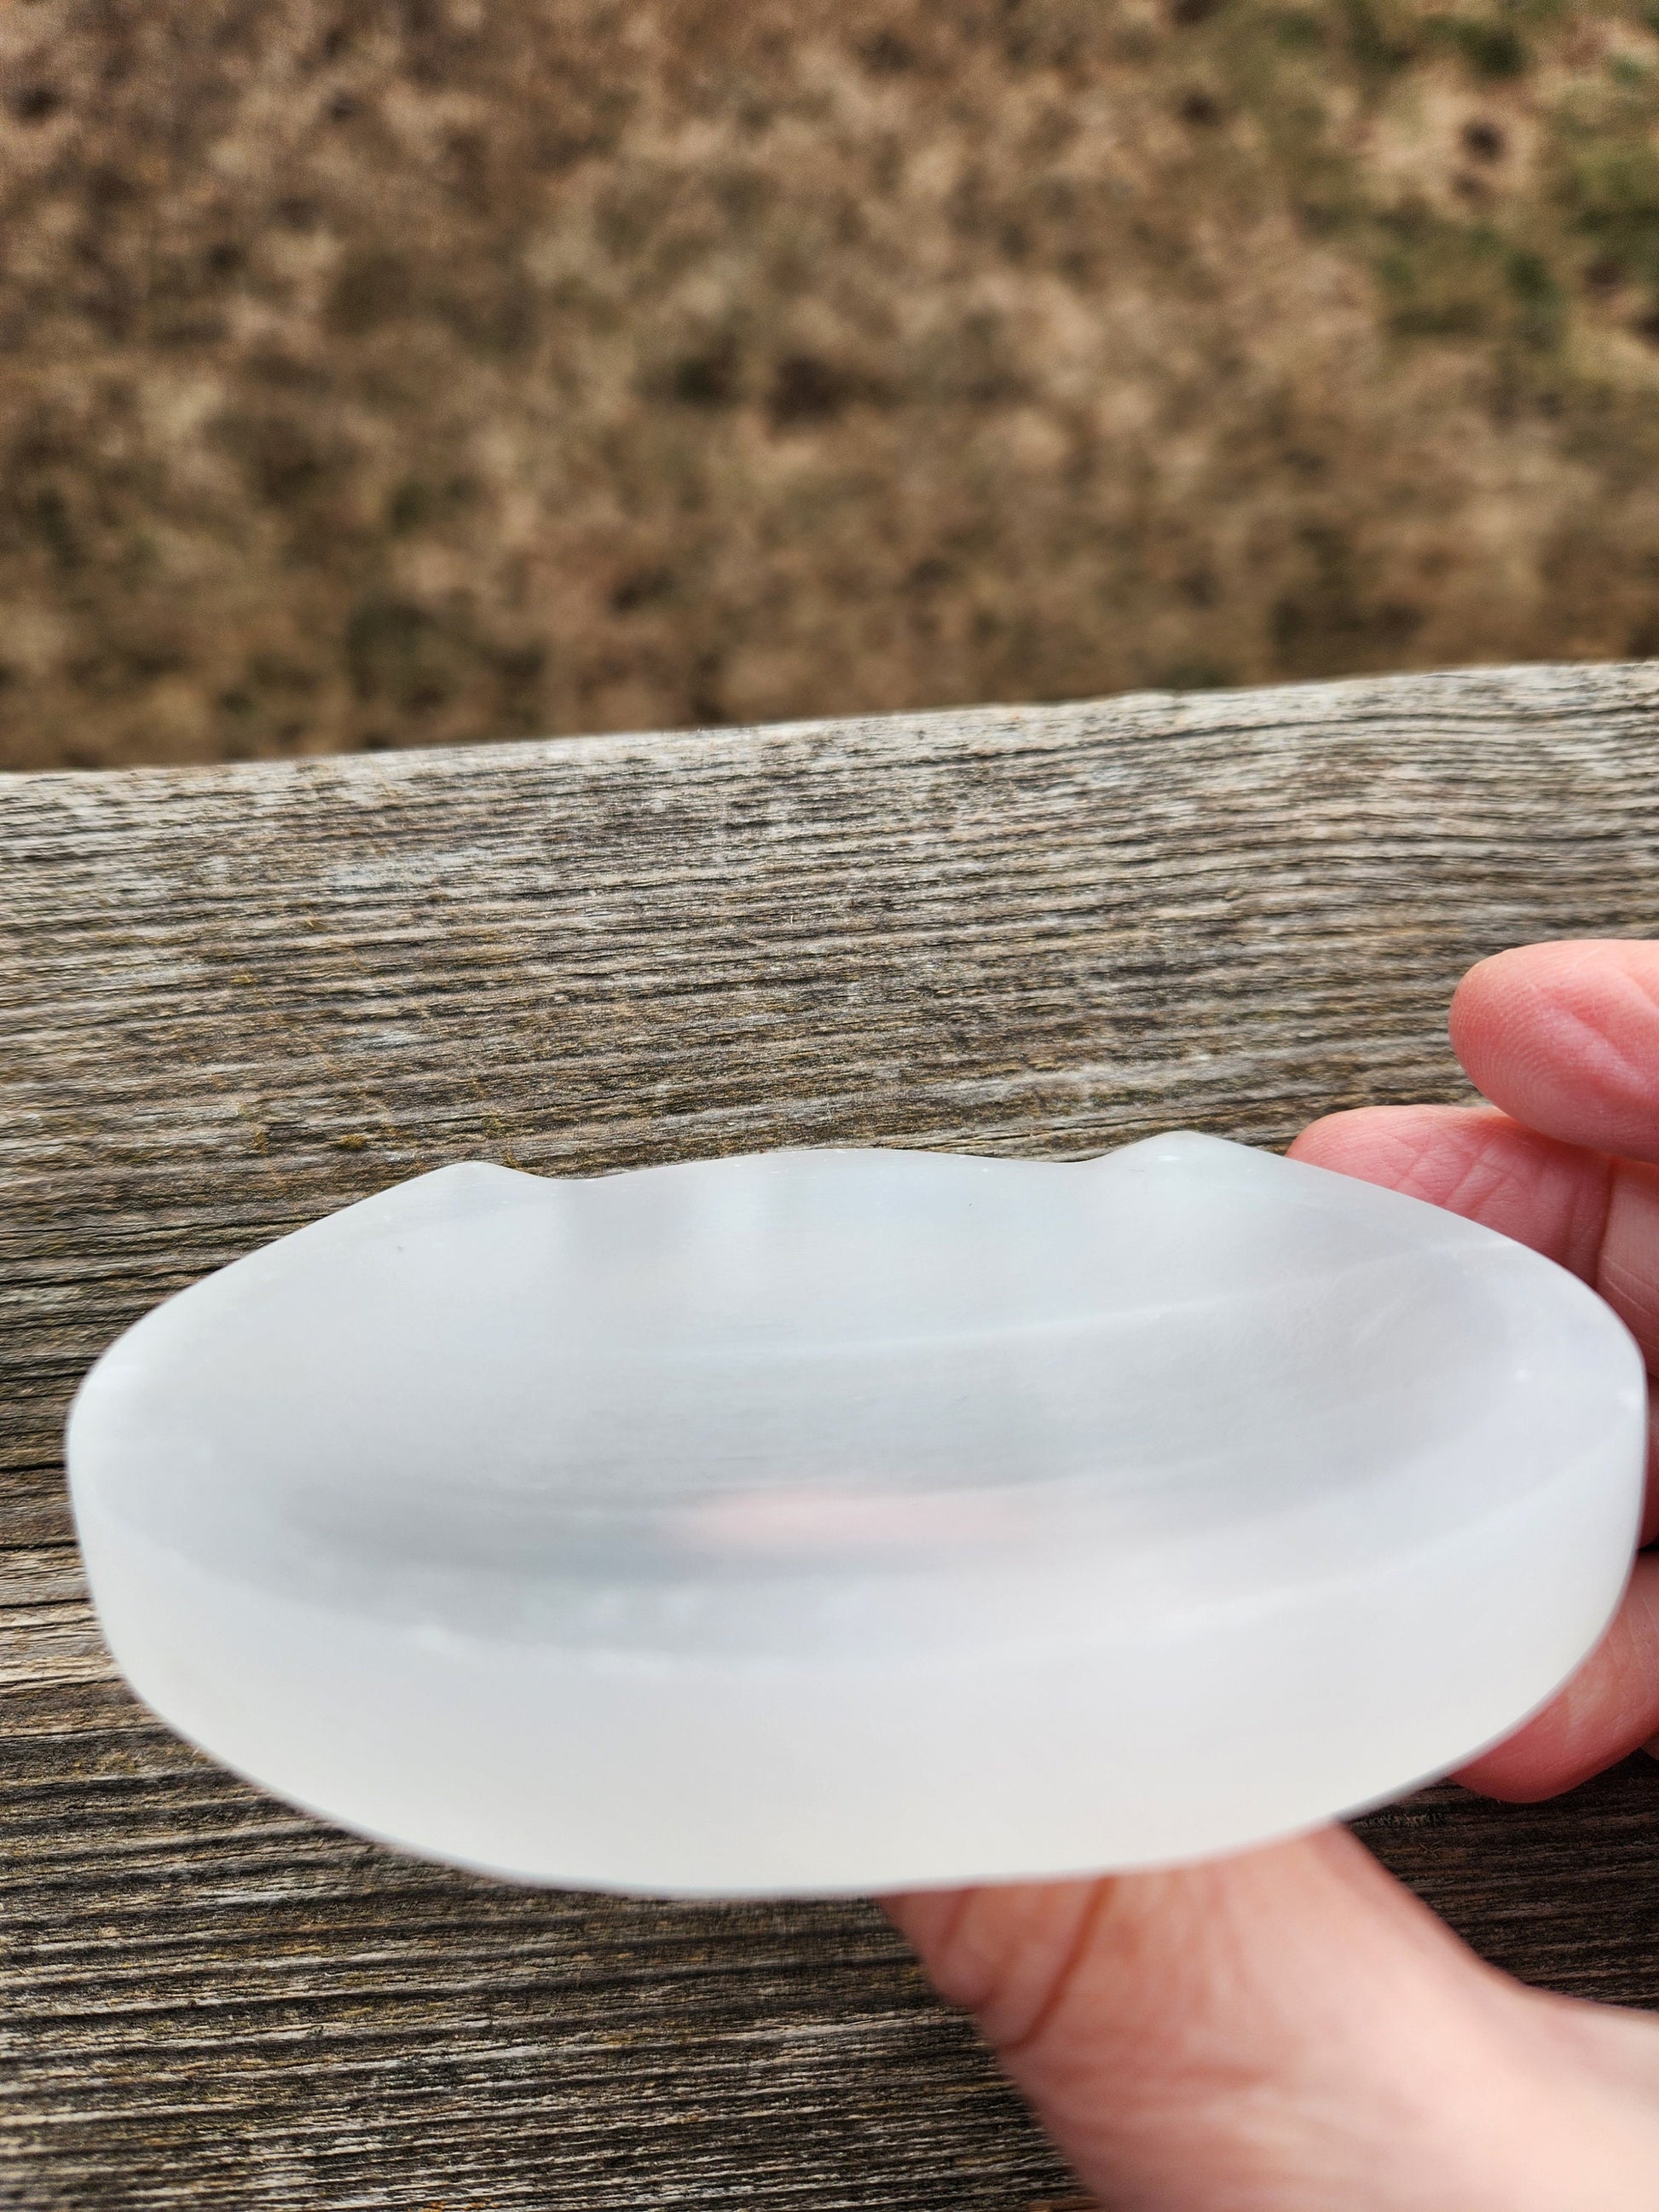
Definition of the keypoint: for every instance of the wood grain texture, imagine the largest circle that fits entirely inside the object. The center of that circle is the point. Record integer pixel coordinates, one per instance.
(235, 999)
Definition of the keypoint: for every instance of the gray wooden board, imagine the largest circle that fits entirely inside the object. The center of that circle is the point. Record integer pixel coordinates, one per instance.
(235, 999)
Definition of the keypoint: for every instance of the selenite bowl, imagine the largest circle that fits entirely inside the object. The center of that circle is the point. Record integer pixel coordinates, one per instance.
(836, 1521)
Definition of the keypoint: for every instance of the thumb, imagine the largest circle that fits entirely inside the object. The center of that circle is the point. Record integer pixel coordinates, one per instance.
(1285, 2032)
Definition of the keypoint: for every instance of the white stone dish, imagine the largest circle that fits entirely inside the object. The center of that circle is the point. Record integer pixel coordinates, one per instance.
(837, 1521)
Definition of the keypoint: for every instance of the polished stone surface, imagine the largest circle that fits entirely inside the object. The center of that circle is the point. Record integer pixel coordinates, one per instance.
(826, 1521)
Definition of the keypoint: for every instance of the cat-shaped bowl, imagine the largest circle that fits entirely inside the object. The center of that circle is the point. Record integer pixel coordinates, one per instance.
(831, 1521)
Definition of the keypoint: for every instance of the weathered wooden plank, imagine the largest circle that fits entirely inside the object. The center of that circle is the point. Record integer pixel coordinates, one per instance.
(233, 1000)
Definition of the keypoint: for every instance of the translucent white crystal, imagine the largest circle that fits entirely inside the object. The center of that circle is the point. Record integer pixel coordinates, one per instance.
(834, 1520)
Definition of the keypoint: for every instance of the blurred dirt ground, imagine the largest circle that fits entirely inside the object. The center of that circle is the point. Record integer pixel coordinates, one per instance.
(421, 370)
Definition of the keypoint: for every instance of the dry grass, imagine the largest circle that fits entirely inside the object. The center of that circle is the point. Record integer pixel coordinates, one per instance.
(398, 374)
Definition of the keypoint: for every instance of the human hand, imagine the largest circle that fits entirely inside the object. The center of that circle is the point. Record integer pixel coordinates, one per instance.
(1290, 2030)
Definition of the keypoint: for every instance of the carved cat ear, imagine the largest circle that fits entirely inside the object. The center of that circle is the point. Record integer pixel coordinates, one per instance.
(823, 1521)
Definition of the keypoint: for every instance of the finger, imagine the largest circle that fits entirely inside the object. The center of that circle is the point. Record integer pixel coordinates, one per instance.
(1288, 2029)
(1627, 1266)
(1478, 1163)
(1601, 1219)
(1608, 1710)
(1598, 1216)
(1565, 1038)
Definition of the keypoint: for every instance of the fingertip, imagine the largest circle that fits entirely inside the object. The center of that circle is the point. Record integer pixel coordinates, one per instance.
(1608, 1710)
(1476, 1162)
(1386, 1144)
(1335, 1137)
(1516, 967)
(1565, 1036)
(1500, 997)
